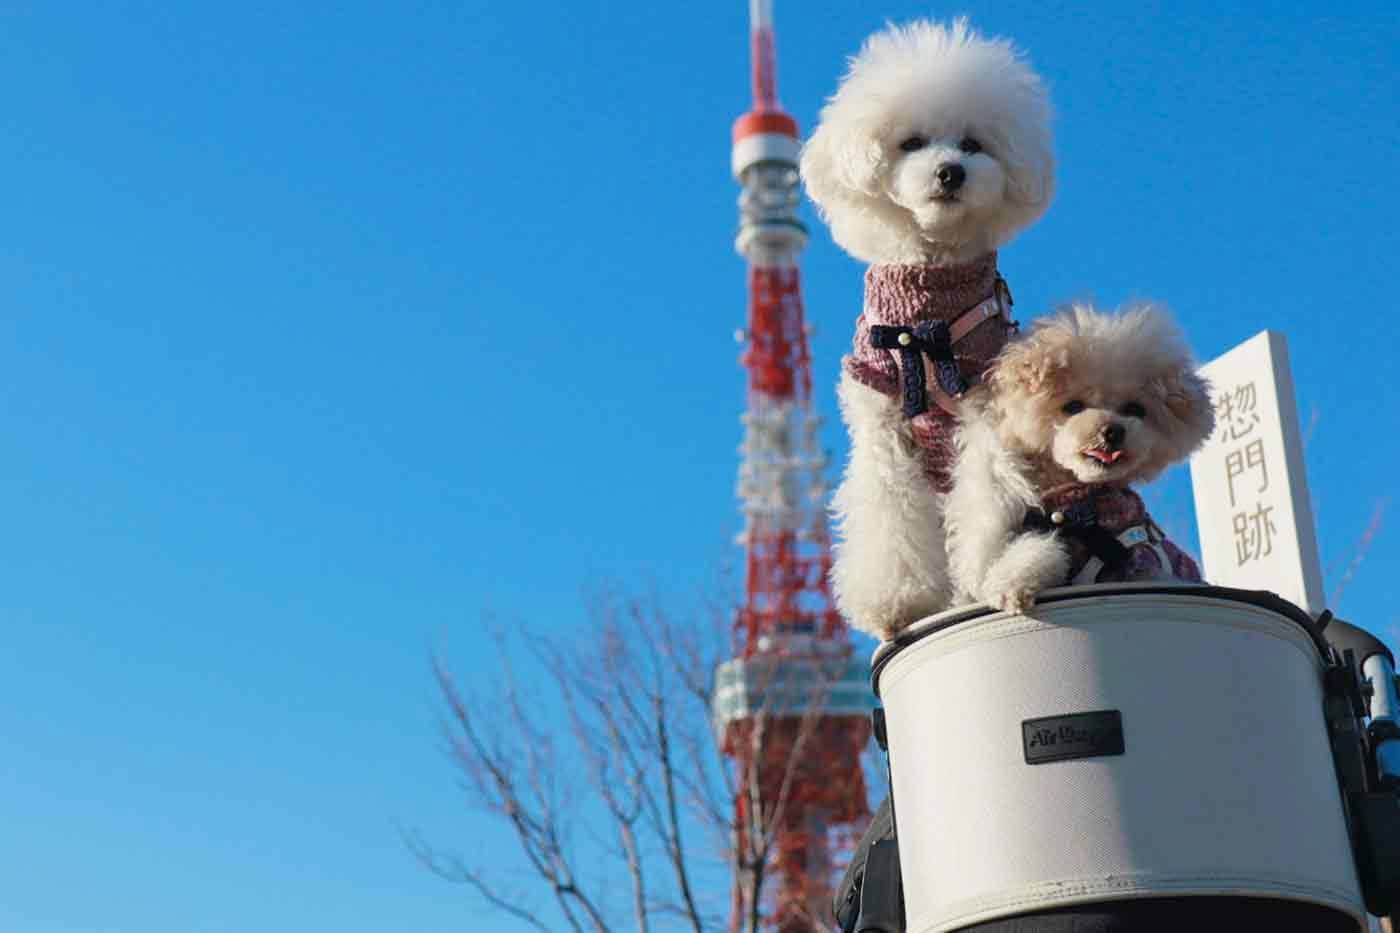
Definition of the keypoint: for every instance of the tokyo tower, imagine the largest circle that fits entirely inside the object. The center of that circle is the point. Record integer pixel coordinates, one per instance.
(792, 705)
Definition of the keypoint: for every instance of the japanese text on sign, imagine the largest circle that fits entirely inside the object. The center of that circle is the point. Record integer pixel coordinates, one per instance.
(1246, 471)
(1249, 483)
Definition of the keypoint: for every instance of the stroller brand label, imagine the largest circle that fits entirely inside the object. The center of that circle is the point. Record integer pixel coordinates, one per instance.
(1076, 735)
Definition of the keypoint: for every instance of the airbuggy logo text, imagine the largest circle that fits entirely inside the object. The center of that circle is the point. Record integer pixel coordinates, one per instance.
(1081, 735)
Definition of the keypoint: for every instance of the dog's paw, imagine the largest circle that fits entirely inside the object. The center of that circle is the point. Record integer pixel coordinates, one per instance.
(1015, 599)
(889, 617)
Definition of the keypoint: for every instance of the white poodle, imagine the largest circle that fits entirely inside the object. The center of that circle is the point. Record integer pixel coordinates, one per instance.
(934, 151)
(1067, 418)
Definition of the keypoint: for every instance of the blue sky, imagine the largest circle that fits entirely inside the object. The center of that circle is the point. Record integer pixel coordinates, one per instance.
(328, 328)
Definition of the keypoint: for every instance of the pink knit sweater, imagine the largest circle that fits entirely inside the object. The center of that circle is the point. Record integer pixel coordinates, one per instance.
(909, 295)
(1117, 509)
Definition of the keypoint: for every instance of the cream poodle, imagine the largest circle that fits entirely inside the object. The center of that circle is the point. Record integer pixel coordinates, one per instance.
(933, 152)
(1068, 417)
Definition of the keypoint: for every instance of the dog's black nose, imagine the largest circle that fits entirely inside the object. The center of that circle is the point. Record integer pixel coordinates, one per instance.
(950, 176)
(1113, 435)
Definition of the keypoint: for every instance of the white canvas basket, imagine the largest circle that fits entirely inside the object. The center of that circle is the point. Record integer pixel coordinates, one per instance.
(1224, 785)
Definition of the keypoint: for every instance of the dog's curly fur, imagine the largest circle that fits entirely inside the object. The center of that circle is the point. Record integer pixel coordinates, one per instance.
(1085, 397)
(916, 100)
(943, 85)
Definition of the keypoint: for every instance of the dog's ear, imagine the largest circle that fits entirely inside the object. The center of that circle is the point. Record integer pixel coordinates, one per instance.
(1023, 380)
(1186, 405)
(1023, 139)
(1030, 172)
(1031, 365)
(1031, 184)
(840, 166)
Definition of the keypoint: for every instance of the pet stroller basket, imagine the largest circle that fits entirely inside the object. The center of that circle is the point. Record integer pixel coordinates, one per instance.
(1131, 757)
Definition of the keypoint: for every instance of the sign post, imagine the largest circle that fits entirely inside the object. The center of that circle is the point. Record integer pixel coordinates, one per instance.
(1251, 491)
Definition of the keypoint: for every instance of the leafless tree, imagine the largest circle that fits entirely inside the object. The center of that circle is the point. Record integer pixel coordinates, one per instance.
(1359, 552)
(620, 775)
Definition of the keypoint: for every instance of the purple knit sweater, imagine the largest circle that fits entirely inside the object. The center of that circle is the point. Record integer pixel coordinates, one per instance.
(909, 295)
(1117, 509)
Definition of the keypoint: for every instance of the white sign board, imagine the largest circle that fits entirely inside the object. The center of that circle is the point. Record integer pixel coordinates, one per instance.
(1252, 505)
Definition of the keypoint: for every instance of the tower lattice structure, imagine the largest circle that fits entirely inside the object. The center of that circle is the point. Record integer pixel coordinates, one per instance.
(792, 705)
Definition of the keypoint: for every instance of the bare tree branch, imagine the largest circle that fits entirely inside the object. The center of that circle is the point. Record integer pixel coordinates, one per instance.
(1363, 546)
(451, 869)
(532, 811)
(636, 745)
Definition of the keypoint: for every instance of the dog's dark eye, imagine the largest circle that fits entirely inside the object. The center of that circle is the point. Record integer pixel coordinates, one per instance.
(1073, 407)
(913, 144)
(1134, 410)
(970, 145)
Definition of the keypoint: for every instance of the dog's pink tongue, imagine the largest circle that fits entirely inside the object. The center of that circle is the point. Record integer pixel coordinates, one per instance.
(1104, 456)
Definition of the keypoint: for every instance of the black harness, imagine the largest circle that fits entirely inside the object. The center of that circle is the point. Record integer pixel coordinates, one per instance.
(1081, 522)
(935, 340)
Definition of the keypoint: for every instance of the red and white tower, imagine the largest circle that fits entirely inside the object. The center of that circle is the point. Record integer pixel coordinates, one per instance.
(791, 705)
